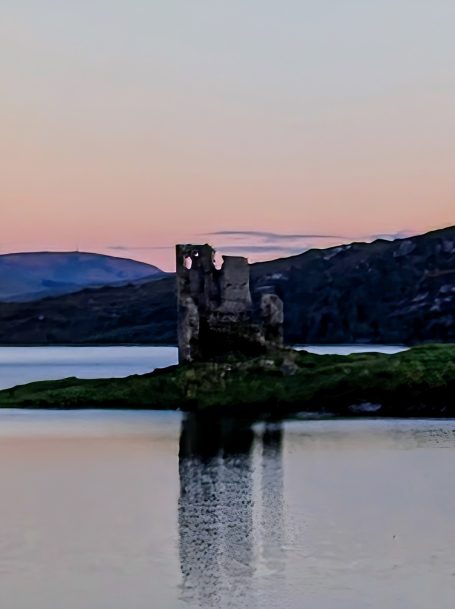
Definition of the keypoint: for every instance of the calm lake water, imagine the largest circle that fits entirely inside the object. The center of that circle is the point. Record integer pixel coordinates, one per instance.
(20, 365)
(137, 510)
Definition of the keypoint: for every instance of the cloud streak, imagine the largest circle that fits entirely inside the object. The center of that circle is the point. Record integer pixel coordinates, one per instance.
(260, 249)
(227, 248)
(271, 236)
(402, 234)
(145, 248)
(257, 245)
(268, 241)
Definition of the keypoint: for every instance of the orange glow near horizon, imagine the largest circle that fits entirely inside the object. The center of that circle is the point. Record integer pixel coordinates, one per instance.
(129, 134)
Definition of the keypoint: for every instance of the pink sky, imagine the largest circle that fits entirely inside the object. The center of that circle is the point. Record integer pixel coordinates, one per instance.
(161, 124)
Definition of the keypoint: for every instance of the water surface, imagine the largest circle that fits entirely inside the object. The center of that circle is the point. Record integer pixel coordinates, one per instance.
(19, 365)
(146, 509)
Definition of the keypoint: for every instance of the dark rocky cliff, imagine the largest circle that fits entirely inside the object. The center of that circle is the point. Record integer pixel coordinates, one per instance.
(383, 292)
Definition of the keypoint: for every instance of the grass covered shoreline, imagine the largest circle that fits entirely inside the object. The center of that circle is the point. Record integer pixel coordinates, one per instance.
(418, 382)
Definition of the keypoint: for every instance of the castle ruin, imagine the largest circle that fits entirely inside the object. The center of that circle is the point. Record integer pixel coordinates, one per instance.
(216, 315)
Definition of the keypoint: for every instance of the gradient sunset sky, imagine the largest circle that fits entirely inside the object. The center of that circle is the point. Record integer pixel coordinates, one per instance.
(264, 127)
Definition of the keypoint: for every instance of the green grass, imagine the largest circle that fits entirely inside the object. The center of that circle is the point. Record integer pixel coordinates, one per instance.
(420, 381)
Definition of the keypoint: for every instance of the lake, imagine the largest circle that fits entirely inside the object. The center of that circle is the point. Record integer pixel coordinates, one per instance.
(131, 509)
(20, 365)
(146, 509)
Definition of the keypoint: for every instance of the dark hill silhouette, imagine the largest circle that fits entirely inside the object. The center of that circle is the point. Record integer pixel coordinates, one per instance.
(393, 292)
(383, 292)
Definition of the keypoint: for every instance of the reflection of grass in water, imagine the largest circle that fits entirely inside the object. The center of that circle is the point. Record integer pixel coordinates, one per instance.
(420, 381)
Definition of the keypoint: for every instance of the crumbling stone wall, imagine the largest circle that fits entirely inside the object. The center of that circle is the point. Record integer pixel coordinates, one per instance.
(215, 309)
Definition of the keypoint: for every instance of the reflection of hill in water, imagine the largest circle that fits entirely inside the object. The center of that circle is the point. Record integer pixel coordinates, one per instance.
(222, 541)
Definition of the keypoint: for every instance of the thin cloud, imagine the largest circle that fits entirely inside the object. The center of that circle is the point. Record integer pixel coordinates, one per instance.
(264, 251)
(269, 243)
(221, 248)
(402, 234)
(259, 249)
(126, 248)
(270, 236)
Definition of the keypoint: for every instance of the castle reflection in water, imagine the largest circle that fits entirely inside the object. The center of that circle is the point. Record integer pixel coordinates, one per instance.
(231, 517)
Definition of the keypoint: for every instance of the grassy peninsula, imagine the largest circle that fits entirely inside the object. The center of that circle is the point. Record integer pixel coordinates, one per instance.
(418, 382)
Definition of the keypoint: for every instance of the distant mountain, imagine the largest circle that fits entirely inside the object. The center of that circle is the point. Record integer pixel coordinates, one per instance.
(382, 292)
(30, 276)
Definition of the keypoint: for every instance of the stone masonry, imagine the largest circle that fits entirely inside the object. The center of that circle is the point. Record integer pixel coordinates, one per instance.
(215, 309)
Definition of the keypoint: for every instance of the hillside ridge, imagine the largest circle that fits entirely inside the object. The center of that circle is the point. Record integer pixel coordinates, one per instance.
(395, 292)
(30, 276)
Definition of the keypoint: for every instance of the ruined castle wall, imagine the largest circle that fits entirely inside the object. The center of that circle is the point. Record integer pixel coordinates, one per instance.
(215, 312)
(234, 285)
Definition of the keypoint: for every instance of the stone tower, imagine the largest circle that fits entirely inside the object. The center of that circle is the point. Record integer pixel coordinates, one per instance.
(215, 310)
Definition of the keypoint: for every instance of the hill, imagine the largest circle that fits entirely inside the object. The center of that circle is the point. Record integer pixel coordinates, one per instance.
(382, 292)
(139, 313)
(30, 276)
